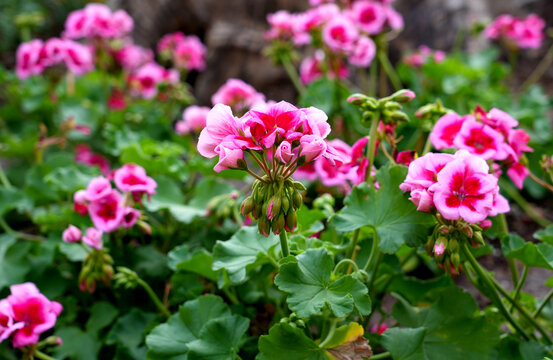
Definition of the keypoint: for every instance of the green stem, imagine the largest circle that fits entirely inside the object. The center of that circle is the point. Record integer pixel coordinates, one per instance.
(427, 145)
(494, 296)
(523, 312)
(389, 69)
(354, 240)
(542, 305)
(526, 207)
(504, 230)
(40, 355)
(538, 72)
(372, 146)
(154, 297)
(4, 179)
(373, 78)
(284, 244)
(345, 261)
(17, 234)
(519, 285)
(385, 355)
(292, 73)
(375, 269)
(237, 217)
(233, 299)
(374, 249)
(330, 333)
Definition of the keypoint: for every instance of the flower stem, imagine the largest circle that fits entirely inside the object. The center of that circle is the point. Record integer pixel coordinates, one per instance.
(494, 296)
(538, 72)
(519, 286)
(381, 356)
(389, 69)
(542, 305)
(232, 297)
(154, 297)
(374, 249)
(292, 73)
(524, 205)
(330, 333)
(40, 355)
(373, 78)
(427, 145)
(540, 181)
(372, 146)
(4, 179)
(346, 261)
(504, 230)
(284, 244)
(386, 153)
(17, 234)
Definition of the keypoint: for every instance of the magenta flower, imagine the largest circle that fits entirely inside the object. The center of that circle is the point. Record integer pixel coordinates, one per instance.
(446, 129)
(312, 147)
(78, 58)
(28, 59)
(363, 52)
(32, 313)
(524, 33)
(132, 178)
(107, 213)
(93, 238)
(84, 155)
(238, 95)
(132, 56)
(311, 68)
(145, 80)
(98, 188)
(71, 234)
(221, 126)
(229, 154)
(97, 20)
(130, 217)
(340, 34)
(7, 323)
(53, 52)
(190, 54)
(370, 16)
(481, 140)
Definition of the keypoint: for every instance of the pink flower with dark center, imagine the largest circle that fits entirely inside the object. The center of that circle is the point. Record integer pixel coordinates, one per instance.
(107, 213)
(465, 189)
(78, 58)
(369, 16)
(278, 118)
(34, 311)
(144, 82)
(28, 59)
(84, 155)
(497, 119)
(518, 140)
(132, 178)
(93, 238)
(221, 125)
(363, 52)
(76, 25)
(423, 172)
(311, 68)
(530, 32)
(53, 52)
(7, 323)
(238, 95)
(190, 54)
(517, 173)
(481, 140)
(98, 188)
(446, 129)
(340, 34)
(71, 234)
(130, 217)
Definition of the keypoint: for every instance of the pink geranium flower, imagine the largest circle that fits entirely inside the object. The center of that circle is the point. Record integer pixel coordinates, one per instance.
(7, 322)
(71, 234)
(370, 16)
(340, 34)
(33, 311)
(132, 56)
(107, 213)
(311, 68)
(193, 119)
(190, 54)
(480, 139)
(131, 217)
(238, 95)
(312, 147)
(220, 125)
(132, 178)
(28, 59)
(229, 155)
(93, 238)
(84, 155)
(78, 58)
(363, 52)
(446, 129)
(97, 189)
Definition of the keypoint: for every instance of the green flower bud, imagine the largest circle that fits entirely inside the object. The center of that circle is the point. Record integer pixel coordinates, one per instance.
(455, 260)
(285, 204)
(291, 221)
(479, 238)
(403, 96)
(247, 206)
(297, 199)
(273, 208)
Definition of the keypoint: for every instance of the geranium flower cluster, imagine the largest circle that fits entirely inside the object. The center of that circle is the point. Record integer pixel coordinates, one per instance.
(186, 52)
(490, 135)
(147, 79)
(458, 186)
(345, 32)
(525, 32)
(85, 155)
(108, 208)
(97, 21)
(281, 135)
(131, 56)
(351, 171)
(35, 56)
(420, 56)
(25, 314)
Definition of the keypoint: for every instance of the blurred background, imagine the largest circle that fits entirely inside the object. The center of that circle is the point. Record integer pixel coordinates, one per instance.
(233, 32)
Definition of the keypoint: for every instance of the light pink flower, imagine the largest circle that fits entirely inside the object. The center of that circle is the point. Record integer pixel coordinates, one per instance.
(220, 125)
(284, 153)
(363, 52)
(28, 59)
(121, 23)
(229, 155)
(370, 16)
(132, 56)
(282, 25)
(340, 34)
(190, 54)
(132, 178)
(446, 130)
(78, 58)
(465, 189)
(238, 95)
(107, 213)
(34, 311)
(145, 81)
(71, 234)
(439, 248)
(423, 171)
(98, 188)
(518, 140)
(93, 238)
(311, 68)
(393, 19)
(481, 140)
(498, 119)
(312, 147)
(193, 119)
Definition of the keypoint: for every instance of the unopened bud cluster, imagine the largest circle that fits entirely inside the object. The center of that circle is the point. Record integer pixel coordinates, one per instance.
(273, 204)
(431, 113)
(447, 239)
(98, 266)
(223, 206)
(387, 109)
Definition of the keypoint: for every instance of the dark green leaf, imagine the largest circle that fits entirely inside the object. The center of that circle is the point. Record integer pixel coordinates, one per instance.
(198, 261)
(77, 345)
(530, 254)
(14, 264)
(13, 199)
(102, 314)
(288, 342)
(220, 339)
(545, 235)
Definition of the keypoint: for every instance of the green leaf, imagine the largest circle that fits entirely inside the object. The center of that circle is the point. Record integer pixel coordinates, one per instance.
(530, 254)
(77, 345)
(511, 348)
(207, 189)
(245, 250)
(102, 314)
(388, 211)
(13, 198)
(288, 342)
(220, 339)
(168, 196)
(200, 323)
(14, 264)
(446, 330)
(308, 282)
(73, 251)
(545, 235)
(198, 261)
(128, 331)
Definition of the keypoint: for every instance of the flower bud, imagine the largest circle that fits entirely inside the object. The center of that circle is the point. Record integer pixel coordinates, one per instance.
(297, 199)
(278, 224)
(291, 221)
(478, 238)
(403, 96)
(71, 234)
(247, 206)
(285, 204)
(274, 207)
(455, 260)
